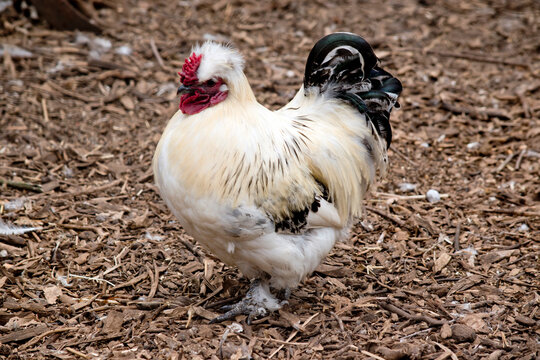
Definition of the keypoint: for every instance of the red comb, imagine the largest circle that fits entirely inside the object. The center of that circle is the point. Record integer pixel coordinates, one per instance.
(188, 75)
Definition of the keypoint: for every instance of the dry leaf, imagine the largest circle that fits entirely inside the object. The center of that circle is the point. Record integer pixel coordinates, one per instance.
(475, 321)
(51, 294)
(113, 322)
(446, 331)
(81, 259)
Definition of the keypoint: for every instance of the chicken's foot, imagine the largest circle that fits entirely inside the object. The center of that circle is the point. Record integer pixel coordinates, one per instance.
(257, 302)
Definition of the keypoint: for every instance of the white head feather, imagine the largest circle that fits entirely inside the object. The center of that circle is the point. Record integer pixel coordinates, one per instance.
(218, 61)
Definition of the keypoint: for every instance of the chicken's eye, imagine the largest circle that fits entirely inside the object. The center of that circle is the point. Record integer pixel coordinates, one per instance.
(211, 82)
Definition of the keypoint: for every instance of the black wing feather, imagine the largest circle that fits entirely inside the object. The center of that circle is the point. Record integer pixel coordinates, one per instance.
(297, 221)
(345, 66)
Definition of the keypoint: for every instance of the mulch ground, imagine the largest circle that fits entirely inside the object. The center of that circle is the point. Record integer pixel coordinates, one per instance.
(110, 274)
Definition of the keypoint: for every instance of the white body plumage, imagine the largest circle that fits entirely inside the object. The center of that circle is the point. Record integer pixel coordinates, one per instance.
(197, 153)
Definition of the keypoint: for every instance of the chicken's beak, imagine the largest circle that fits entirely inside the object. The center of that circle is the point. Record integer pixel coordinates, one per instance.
(182, 89)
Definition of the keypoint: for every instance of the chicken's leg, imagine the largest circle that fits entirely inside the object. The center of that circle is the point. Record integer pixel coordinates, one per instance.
(257, 302)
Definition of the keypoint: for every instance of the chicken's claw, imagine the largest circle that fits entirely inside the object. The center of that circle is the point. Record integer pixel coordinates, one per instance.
(256, 303)
(241, 308)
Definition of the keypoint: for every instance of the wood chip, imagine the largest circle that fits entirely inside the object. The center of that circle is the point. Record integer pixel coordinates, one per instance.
(463, 333)
(23, 334)
(440, 263)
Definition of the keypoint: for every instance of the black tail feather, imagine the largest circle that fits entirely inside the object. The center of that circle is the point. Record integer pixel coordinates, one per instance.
(345, 66)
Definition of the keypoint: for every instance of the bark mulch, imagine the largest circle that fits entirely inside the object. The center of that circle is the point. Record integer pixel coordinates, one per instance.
(108, 273)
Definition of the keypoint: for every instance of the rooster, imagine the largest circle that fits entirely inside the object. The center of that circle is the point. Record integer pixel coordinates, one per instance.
(272, 191)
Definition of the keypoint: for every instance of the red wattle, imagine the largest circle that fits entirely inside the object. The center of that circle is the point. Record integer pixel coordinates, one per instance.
(196, 102)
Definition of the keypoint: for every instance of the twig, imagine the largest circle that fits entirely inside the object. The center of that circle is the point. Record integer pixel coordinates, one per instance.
(287, 342)
(363, 302)
(516, 212)
(342, 328)
(474, 112)
(21, 185)
(60, 89)
(191, 249)
(406, 197)
(343, 350)
(293, 334)
(520, 283)
(392, 308)
(14, 240)
(158, 311)
(404, 157)
(456, 237)
(401, 339)
(493, 344)
(340, 322)
(224, 338)
(78, 353)
(394, 219)
(98, 338)
(23, 334)
(219, 302)
(154, 279)
(520, 158)
(373, 278)
(87, 191)
(82, 227)
(28, 306)
(131, 282)
(156, 53)
(447, 351)
(27, 171)
(479, 58)
(522, 258)
(107, 65)
(214, 293)
(117, 261)
(151, 276)
(93, 278)
(8, 64)
(45, 111)
(36, 339)
(371, 354)
(190, 317)
(505, 162)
